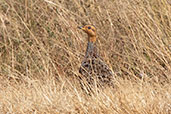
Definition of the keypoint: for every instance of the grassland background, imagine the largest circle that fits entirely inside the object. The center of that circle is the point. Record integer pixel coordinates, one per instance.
(41, 50)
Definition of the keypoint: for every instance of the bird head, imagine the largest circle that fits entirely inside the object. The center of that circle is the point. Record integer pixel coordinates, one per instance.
(89, 29)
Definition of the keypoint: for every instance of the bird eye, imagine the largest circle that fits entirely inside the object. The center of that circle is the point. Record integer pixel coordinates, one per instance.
(89, 27)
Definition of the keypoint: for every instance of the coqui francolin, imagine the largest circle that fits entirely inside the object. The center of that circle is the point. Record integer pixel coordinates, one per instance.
(93, 68)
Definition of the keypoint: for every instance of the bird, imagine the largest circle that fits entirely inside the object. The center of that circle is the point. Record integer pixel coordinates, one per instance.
(93, 69)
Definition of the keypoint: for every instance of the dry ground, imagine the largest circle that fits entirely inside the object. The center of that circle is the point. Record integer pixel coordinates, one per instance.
(41, 50)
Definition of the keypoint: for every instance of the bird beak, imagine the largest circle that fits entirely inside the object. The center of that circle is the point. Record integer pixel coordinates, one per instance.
(80, 27)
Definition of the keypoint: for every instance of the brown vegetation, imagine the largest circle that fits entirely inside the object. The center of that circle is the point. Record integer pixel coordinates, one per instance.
(41, 50)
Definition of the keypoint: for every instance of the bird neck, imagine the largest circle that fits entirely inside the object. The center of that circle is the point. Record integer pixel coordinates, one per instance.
(92, 39)
(90, 48)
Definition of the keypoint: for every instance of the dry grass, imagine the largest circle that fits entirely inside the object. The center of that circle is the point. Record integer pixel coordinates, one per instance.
(41, 50)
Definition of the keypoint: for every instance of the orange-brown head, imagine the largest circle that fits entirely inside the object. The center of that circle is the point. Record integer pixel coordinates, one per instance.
(91, 31)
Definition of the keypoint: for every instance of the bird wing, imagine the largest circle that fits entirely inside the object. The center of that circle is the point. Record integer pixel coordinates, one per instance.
(96, 67)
